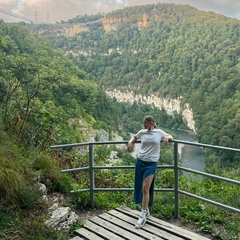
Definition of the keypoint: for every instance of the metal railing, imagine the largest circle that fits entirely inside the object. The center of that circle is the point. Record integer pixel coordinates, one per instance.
(92, 189)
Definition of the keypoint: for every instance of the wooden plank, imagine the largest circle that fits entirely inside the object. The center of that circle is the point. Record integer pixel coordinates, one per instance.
(101, 231)
(123, 232)
(119, 224)
(130, 227)
(171, 228)
(88, 234)
(147, 227)
(163, 234)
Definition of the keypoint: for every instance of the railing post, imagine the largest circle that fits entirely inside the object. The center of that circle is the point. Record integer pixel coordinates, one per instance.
(176, 181)
(91, 173)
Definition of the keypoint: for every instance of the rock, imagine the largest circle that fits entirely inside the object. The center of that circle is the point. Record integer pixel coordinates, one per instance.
(52, 208)
(61, 218)
(58, 216)
(43, 199)
(66, 224)
(42, 188)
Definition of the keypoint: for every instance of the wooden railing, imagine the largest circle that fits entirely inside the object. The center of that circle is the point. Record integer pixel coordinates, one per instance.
(176, 190)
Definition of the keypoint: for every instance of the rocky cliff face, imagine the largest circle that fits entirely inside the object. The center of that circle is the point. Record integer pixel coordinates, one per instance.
(169, 105)
(73, 30)
(111, 23)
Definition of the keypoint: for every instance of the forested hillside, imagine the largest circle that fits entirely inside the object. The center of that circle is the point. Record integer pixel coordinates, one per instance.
(172, 51)
(41, 90)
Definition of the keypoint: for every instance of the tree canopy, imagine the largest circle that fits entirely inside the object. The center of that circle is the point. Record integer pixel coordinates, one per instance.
(172, 51)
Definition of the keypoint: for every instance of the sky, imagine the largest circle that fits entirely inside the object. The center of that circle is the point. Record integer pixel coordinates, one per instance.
(51, 11)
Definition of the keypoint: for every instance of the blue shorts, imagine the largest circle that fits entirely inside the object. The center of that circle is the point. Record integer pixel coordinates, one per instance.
(142, 170)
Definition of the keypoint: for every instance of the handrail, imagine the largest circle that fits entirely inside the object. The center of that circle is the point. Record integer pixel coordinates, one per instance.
(175, 167)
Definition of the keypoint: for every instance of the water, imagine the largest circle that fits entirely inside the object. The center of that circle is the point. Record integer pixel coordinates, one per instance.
(190, 156)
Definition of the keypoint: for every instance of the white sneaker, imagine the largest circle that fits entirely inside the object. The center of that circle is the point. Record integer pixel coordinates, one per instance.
(147, 213)
(140, 222)
(142, 219)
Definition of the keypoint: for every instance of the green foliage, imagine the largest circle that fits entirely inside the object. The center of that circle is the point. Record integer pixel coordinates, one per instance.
(21, 214)
(19, 224)
(47, 166)
(64, 185)
(181, 53)
(163, 207)
(14, 173)
(27, 197)
(11, 179)
(81, 200)
(7, 221)
(41, 90)
(110, 200)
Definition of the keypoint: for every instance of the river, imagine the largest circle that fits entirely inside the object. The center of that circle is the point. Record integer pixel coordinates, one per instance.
(190, 156)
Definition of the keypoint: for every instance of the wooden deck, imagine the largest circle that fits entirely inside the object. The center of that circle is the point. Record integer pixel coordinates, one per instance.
(118, 224)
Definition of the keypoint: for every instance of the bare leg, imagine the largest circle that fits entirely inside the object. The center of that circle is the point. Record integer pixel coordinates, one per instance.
(145, 200)
(145, 191)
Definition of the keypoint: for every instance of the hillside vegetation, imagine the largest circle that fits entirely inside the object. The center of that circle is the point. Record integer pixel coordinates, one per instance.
(172, 51)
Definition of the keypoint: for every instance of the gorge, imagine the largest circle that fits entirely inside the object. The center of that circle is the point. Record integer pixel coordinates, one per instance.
(169, 105)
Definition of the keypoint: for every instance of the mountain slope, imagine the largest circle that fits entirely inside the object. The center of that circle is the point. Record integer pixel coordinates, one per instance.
(172, 51)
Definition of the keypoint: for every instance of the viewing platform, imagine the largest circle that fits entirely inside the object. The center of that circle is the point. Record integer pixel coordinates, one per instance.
(119, 224)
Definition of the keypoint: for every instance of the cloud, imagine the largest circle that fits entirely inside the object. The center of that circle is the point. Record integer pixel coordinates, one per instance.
(57, 10)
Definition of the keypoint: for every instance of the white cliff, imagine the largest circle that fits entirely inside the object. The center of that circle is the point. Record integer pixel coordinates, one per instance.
(169, 105)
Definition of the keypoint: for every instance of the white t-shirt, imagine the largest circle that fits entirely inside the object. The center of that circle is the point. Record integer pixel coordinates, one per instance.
(150, 140)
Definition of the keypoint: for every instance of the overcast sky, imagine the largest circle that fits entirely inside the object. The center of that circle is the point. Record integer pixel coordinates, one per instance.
(56, 10)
